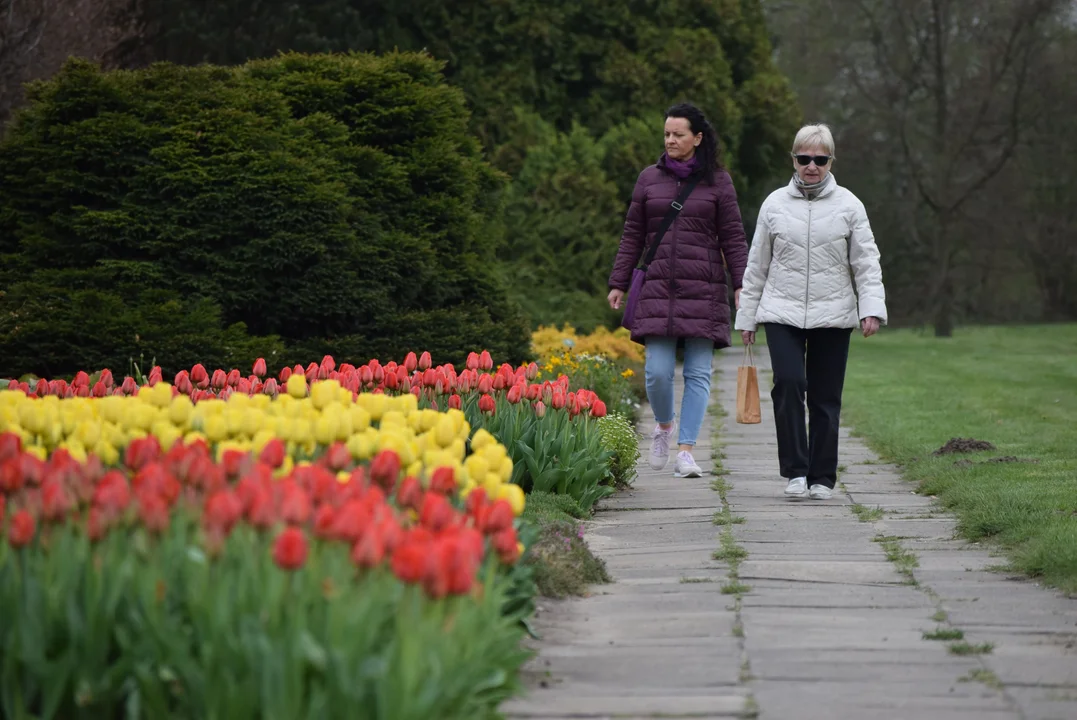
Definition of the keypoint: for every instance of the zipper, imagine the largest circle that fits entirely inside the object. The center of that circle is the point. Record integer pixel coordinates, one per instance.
(807, 275)
(672, 263)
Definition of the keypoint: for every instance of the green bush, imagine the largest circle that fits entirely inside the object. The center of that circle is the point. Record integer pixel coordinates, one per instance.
(336, 202)
(619, 436)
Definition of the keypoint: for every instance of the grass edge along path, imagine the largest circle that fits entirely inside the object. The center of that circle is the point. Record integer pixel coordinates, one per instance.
(907, 394)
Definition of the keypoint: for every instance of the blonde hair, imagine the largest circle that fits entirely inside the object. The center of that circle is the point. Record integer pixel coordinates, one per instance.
(810, 135)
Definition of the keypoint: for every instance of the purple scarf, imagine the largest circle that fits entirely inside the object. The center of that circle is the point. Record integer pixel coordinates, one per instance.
(679, 168)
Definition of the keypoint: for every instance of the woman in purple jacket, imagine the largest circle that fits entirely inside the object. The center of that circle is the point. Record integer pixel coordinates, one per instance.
(683, 299)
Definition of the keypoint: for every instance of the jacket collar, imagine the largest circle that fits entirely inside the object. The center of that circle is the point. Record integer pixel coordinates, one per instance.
(831, 186)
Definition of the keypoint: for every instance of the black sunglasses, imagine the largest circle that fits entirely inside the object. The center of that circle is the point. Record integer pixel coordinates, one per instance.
(819, 160)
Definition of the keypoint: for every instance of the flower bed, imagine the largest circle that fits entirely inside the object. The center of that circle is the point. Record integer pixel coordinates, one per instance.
(327, 542)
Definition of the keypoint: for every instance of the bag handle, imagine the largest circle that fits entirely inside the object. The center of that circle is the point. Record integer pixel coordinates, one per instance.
(674, 210)
(749, 358)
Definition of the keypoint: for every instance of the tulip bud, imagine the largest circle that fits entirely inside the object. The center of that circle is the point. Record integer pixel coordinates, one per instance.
(259, 367)
(234, 377)
(540, 409)
(455, 402)
(424, 361)
(220, 379)
(106, 378)
(81, 379)
(485, 361)
(487, 405)
(598, 409)
(199, 376)
(472, 361)
(285, 373)
(410, 362)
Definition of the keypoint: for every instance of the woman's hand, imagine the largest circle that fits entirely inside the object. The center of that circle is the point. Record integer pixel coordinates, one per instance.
(869, 326)
(616, 298)
(748, 336)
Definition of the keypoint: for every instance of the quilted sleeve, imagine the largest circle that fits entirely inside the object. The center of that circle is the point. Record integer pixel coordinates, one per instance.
(755, 274)
(864, 262)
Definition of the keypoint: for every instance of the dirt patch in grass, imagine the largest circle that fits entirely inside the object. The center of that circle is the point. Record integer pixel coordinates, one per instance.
(965, 462)
(963, 445)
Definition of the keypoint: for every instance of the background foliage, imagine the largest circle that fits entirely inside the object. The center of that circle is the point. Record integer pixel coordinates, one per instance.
(337, 203)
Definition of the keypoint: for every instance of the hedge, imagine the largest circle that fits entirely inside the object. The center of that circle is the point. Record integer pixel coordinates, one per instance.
(288, 208)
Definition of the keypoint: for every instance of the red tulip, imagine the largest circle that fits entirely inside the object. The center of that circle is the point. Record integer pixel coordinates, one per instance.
(410, 494)
(369, 551)
(487, 405)
(486, 383)
(485, 361)
(557, 402)
(411, 362)
(81, 379)
(106, 378)
(443, 481)
(219, 380)
(21, 529)
(10, 446)
(498, 517)
(385, 470)
(41, 388)
(540, 409)
(153, 512)
(99, 389)
(155, 376)
(259, 368)
(199, 376)
(55, 500)
(233, 377)
(290, 549)
(515, 394)
(598, 409)
(11, 477)
(411, 561)
(294, 505)
(455, 402)
(436, 512)
(324, 518)
(507, 545)
(222, 511)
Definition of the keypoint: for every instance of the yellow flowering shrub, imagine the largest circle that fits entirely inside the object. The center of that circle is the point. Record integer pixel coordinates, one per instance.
(617, 344)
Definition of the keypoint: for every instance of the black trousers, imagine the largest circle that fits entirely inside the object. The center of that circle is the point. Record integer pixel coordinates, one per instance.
(812, 363)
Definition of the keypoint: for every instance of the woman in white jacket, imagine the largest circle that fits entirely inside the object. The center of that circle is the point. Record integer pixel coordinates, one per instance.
(813, 276)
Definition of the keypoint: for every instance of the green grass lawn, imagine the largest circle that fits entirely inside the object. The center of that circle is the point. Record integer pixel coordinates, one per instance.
(908, 393)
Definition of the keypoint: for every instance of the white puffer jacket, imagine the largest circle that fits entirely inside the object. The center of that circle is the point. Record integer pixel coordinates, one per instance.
(806, 256)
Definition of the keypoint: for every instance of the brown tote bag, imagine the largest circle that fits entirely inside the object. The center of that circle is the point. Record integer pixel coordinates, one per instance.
(748, 411)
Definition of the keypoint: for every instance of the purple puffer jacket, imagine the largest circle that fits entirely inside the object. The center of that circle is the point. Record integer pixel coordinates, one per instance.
(684, 294)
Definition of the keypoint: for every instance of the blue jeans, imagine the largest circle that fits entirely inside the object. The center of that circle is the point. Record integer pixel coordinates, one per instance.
(660, 369)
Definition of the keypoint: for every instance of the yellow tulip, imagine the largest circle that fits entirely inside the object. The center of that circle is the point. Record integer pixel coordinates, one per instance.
(406, 403)
(216, 428)
(37, 451)
(180, 411)
(323, 393)
(360, 418)
(492, 484)
(109, 455)
(166, 433)
(482, 439)
(297, 385)
(514, 494)
(88, 433)
(444, 432)
(326, 429)
(477, 467)
(506, 468)
(161, 395)
(416, 469)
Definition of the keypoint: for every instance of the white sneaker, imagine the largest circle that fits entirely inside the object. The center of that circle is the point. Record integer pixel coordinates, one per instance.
(820, 492)
(660, 442)
(797, 487)
(686, 466)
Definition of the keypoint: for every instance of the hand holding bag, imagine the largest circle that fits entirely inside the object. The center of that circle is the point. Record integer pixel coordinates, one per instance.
(748, 410)
(640, 273)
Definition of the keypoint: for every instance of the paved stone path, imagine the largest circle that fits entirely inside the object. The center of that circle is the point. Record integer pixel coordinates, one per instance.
(812, 609)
